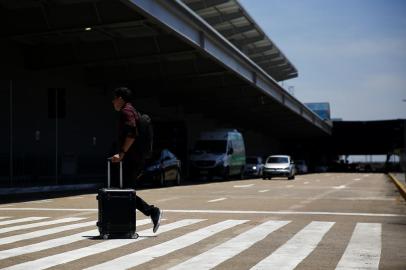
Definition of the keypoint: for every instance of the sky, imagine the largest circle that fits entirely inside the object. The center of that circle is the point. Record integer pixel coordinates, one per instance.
(350, 53)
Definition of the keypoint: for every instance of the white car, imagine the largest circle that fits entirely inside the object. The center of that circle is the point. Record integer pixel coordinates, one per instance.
(279, 165)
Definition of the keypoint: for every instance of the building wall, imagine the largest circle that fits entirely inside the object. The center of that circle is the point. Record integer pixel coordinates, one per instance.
(258, 144)
(74, 148)
(79, 139)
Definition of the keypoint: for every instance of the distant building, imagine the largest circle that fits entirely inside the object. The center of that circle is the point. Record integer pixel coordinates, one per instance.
(322, 109)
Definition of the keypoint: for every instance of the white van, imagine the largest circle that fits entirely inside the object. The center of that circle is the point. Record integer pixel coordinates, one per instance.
(218, 153)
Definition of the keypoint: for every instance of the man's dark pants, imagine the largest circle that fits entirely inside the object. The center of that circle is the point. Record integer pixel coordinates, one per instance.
(131, 171)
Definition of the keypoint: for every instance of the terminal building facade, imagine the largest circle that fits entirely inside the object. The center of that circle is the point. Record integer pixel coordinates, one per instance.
(194, 65)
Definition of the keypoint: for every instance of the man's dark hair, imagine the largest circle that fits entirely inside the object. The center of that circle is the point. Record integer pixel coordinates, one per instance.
(123, 92)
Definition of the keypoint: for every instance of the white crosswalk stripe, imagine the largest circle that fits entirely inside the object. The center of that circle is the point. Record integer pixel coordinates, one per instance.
(230, 248)
(20, 220)
(364, 249)
(69, 256)
(153, 252)
(56, 242)
(3, 217)
(34, 234)
(38, 224)
(289, 255)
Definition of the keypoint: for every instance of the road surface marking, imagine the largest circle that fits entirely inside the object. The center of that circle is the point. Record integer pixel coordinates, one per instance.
(49, 209)
(56, 242)
(148, 254)
(231, 248)
(65, 257)
(364, 249)
(264, 190)
(40, 201)
(289, 255)
(3, 217)
(243, 186)
(284, 212)
(307, 182)
(365, 199)
(217, 200)
(290, 186)
(37, 224)
(168, 199)
(7, 222)
(357, 179)
(340, 187)
(281, 212)
(25, 236)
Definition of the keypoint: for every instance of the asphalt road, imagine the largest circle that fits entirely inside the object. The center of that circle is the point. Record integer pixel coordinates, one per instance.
(317, 221)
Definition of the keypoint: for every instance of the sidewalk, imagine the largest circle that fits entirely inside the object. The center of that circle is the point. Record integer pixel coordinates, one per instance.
(400, 177)
(400, 182)
(44, 189)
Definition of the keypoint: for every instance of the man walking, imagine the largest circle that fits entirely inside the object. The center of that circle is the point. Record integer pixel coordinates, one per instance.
(133, 160)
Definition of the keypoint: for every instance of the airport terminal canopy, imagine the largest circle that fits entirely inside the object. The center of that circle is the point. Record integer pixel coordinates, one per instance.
(187, 56)
(233, 22)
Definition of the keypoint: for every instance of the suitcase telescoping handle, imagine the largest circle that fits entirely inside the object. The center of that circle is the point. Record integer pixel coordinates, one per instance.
(109, 160)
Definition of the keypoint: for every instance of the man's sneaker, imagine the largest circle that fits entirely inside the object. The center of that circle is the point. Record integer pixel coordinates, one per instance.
(156, 219)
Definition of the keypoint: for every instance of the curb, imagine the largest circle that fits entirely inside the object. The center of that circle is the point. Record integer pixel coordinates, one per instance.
(399, 185)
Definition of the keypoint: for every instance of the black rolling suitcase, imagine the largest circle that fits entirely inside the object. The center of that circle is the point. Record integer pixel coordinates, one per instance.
(116, 209)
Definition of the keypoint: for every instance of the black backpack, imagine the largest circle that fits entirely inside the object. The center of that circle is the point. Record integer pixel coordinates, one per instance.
(145, 135)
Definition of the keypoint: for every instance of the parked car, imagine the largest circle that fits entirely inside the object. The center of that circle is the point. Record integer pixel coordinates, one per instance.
(321, 168)
(301, 166)
(279, 165)
(163, 166)
(253, 167)
(218, 153)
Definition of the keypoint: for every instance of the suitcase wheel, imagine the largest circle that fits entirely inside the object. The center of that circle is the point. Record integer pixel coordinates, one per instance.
(134, 235)
(105, 236)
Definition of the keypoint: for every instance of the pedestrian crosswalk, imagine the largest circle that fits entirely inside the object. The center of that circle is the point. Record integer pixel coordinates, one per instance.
(231, 248)
(38, 224)
(48, 242)
(297, 248)
(20, 220)
(364, 249)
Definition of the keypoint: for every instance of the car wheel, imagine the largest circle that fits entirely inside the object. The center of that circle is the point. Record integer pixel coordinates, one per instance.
(162, 180)
(178, 178)
(226, 174)
(241, 176)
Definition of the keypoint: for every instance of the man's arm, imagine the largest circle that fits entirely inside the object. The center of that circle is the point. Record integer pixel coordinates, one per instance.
(124, 148)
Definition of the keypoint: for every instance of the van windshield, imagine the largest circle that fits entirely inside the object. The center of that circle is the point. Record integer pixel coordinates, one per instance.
(277, 160)
(211, 146)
